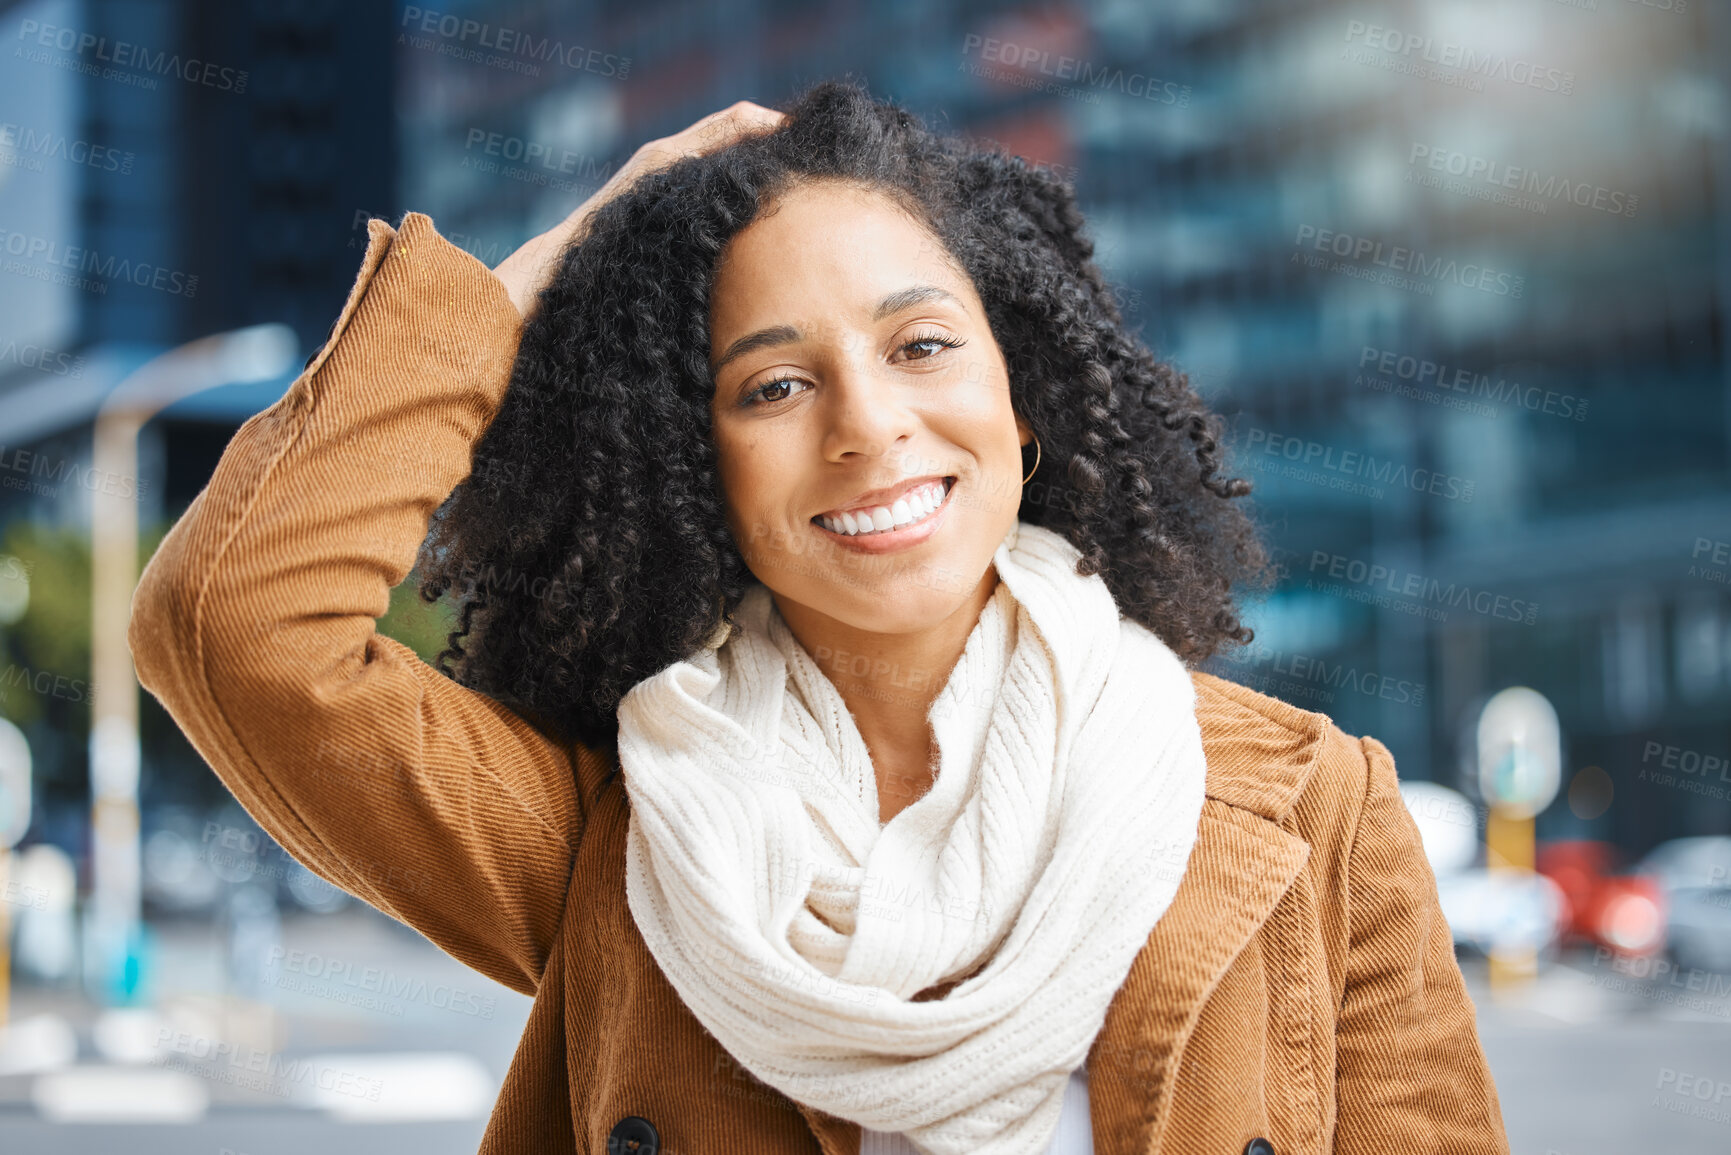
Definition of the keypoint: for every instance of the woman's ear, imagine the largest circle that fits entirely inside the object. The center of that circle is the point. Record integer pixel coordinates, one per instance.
(1024, 431)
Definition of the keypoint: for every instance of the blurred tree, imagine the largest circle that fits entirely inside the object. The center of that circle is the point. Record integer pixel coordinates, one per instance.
(421, 627)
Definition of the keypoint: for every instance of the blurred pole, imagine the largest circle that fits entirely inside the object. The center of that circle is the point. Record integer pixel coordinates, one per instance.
(15, 799)
(5, 937)
(1509, 848)
(1718, 18)
(1520, 754)
(241, 356)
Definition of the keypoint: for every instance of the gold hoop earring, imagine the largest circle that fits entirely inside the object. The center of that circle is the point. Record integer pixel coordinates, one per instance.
(1036, 458)
(723, 628)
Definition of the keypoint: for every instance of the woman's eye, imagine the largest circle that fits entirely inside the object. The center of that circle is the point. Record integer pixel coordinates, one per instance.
(768, 390)
(920, 348)
(930, 343)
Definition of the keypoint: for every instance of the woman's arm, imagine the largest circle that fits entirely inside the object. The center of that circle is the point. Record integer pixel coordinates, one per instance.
(254, 623)
(1410, 1074)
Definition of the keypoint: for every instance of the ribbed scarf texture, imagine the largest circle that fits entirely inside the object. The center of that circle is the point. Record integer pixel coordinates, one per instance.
(797, 927)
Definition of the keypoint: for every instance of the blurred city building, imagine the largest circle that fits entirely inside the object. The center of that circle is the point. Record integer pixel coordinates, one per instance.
(1461, 291)
(171, 169)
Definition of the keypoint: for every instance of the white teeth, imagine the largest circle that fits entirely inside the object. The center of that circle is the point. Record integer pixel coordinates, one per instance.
(907, 509)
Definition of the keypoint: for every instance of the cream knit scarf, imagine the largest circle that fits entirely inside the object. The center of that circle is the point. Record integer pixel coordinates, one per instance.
(796, 927)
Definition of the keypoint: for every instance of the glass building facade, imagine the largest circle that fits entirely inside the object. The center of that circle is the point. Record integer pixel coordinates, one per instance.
(1460, 290)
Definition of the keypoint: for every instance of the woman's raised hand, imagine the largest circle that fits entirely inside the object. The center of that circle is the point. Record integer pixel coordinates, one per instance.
(526, 272)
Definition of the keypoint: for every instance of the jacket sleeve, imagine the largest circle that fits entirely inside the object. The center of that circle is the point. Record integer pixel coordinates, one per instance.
(1411, 1075)
(254, 624)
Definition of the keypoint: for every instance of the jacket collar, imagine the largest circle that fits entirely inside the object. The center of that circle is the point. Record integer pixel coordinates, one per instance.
(1261, 752)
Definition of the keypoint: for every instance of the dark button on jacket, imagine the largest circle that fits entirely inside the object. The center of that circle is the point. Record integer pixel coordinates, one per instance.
(635, 1135)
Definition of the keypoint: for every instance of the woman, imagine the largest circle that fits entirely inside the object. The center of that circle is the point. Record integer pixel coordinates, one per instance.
(830, 786)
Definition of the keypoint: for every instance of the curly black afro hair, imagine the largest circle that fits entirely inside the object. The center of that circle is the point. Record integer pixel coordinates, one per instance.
(589, 549)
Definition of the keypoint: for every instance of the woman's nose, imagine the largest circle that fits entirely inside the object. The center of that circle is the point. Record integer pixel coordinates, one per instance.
(867, 411)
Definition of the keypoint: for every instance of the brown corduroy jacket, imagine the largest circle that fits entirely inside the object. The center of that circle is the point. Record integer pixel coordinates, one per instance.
(1301, 988)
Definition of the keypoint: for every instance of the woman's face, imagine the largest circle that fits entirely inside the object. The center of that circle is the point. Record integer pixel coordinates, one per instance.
(854, 368)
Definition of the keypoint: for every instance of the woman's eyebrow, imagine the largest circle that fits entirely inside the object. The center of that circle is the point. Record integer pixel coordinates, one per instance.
(913, 295)
(751, 342)
(785, 334)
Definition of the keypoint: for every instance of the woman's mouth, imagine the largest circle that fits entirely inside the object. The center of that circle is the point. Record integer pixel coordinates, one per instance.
(912, 510)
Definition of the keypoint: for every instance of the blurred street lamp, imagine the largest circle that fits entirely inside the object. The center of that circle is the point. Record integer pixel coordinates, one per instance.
(1520, 760)
(242, 356)
(14, 821)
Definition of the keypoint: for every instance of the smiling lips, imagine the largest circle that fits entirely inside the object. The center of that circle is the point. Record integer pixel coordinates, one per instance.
(910, 508)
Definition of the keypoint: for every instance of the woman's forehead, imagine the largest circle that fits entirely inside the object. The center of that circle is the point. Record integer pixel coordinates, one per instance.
(829, 247)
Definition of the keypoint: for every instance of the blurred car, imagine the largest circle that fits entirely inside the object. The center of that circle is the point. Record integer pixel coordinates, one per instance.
(1690, 862)
(193, 863)
(178, 878)
(1502, 912)
(1622, 911)
(1493, 912)
(1695, 876)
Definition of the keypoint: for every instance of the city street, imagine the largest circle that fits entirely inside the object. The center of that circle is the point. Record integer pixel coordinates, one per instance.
(374, 1041)
(1592, 1059)
(1591, 1062)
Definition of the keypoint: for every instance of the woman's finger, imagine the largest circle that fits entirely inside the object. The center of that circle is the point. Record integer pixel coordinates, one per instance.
(527, 270)
(720, 129)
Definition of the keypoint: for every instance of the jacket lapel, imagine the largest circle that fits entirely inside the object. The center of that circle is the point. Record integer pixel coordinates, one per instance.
(1239, 868)
(1260, 754)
